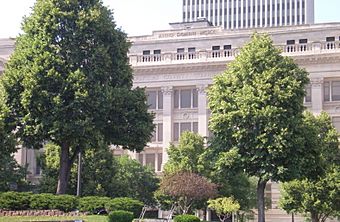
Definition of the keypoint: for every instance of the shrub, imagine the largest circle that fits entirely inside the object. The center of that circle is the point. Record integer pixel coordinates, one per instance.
(186, 218)
(92, 204)
(125, 204)
(64, 203)
(120, 216)
(41, 201)
(15, 201)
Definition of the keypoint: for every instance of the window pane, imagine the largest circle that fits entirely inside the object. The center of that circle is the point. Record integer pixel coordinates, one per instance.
(153, 138)
(160, 100)
(176, 131)
(326, 93)
(140, 158)
(195, 127)
(150, 160)
(176, 99)
(194, 98)
(186, 98)
(336, 91)
(152, 99)
(160, 161)
(185, 127)
(308, 97)
(160, 132)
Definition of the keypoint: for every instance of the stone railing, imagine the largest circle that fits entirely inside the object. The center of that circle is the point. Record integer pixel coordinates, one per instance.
(227, 55)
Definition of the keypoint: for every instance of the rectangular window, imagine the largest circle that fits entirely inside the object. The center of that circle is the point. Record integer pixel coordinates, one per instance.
(303, 41)
(330, 39)
(155, 99)
(160, 161)
(290, 42)
(308, 97)
(326, 91)
(336, 91)
(185, 98)
(157, 134)
(150, 160)
(179, 128)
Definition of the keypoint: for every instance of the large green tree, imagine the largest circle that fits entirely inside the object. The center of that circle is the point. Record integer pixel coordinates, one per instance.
(69, 82)
(256, 106)
(102, 175)
(319, 193)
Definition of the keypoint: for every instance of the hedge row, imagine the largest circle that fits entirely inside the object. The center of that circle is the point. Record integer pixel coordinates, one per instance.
(67, 203)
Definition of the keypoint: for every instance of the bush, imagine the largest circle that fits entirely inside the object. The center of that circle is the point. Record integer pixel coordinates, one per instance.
(64, 203)
(125, 204)
(120, 216)
(41, 201)
(186, 218)
(15, 201)
(92, 204)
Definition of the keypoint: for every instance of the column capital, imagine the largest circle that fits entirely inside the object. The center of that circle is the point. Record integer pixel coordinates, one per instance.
(316, 82)
(167, 90)
(202, 89)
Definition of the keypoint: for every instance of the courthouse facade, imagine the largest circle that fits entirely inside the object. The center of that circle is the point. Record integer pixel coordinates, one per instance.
(177, 66)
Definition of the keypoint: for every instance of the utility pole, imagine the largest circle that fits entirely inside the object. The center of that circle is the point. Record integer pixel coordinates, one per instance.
(79, 174)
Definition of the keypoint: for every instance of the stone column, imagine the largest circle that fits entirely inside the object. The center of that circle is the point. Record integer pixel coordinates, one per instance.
(208, 215)
(317, 95)
(167, 120)
(202, 111)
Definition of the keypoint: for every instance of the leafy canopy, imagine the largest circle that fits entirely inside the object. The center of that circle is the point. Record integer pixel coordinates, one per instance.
(256, 105)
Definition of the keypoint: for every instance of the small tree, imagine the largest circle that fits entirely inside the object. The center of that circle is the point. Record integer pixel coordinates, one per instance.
(186, 156)
(224, 207)
(318, 194)
(187, 188)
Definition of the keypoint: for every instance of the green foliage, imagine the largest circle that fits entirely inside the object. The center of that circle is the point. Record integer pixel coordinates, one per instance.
(41, 201)
(92, 203)
(256, 110)
(186, 156)
(64, 203)
(10, 172)
(15, 201)
(69, 81)
(135, 181)
(102, 175)
(224, 207)
(319, 192)
(125, 204)
(120, 216)
(319, 198)
(186, 218)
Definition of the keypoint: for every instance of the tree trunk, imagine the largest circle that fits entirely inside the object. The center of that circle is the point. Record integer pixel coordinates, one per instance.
(65, 168)
(314, 217)
(261, 185)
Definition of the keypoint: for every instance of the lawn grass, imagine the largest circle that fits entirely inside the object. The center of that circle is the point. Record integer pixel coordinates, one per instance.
(28, 219)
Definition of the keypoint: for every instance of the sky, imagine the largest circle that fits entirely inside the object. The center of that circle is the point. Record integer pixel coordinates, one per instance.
(138, 17)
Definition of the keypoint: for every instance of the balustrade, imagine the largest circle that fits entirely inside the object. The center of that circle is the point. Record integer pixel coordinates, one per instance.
(212, 55)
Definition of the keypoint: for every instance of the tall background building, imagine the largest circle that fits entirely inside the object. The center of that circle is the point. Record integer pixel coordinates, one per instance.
(236, 14)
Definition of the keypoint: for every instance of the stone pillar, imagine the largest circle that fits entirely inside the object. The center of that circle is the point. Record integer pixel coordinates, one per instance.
(208, 215)
(202, 111)
(317, 95)
(167, 120)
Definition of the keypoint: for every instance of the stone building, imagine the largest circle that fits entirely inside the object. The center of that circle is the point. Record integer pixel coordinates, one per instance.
(177, 65)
